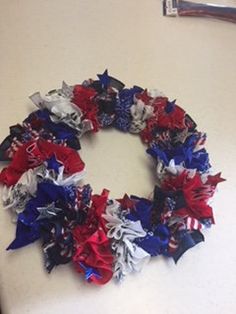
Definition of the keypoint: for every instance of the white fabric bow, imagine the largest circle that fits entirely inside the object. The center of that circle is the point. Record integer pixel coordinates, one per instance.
(62, 109)
(129, 256)
(140, 113)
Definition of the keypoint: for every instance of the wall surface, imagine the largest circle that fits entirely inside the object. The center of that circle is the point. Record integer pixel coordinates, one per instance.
(191, 59)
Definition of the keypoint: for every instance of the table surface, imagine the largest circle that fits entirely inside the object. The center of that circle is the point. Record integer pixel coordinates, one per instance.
(191, 59)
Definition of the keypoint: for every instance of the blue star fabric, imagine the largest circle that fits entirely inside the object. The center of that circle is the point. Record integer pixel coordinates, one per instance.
(104, 79)
(89, 272)
(54, 164)
(170, 106)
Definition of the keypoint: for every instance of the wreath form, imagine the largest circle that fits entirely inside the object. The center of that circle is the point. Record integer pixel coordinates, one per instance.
(105, 237)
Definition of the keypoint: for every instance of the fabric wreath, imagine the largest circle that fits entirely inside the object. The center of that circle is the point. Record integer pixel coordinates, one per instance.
(103, 237)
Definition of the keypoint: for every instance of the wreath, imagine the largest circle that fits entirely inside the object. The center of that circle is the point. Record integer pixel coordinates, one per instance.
(103, 237)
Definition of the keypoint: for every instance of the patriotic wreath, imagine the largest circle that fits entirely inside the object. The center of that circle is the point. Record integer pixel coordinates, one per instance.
(105, 237)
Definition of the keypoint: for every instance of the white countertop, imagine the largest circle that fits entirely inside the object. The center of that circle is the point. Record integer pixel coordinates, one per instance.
(191, 59)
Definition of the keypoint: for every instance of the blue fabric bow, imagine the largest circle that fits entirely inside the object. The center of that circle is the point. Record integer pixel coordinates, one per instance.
(183, 153)
(122, 109)
(157, 238)
(28, 227)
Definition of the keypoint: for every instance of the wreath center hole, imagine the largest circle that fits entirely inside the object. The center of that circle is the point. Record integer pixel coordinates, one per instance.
(118, 162)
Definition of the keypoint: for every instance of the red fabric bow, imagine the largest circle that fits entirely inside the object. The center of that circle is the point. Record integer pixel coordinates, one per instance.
(196, 194)
(84, 99)
(92, 247)
(172, 120)
(34, 153)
